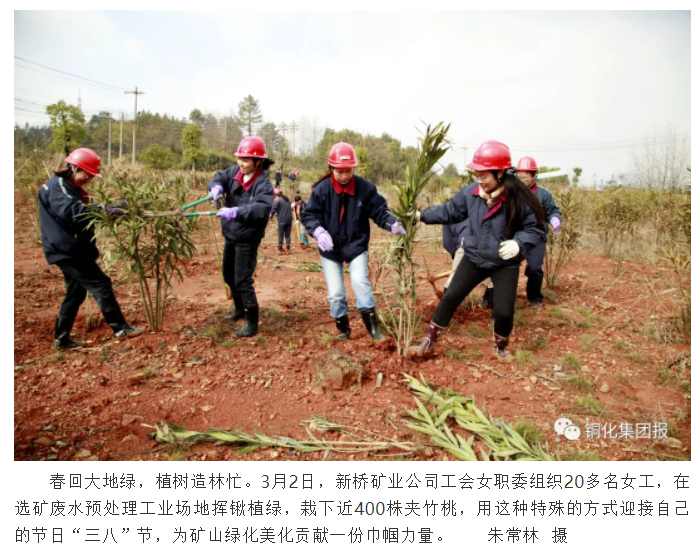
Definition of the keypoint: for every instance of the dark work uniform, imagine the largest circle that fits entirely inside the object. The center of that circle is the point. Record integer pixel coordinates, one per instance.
(283, 209)
(244, 233)
(69, 244)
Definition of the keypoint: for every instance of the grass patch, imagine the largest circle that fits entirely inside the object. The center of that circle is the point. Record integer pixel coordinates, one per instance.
(621, 345)
(637, 357)
(303, 315)
(523, 357)
(556, 312)
(149, 372)
(526, 429)
(519, 318)
(571, 363)
(474, 331)
(587, 340)
(454, 353)
(228, 343)
(473, 353)
(685, 385)
(623, 378)
(664, 374)
(550, 295)
(590, 404)
(580, 383)
(539, 344)
(310, 268)
(326, 339)
(581, 455)
(216, 332)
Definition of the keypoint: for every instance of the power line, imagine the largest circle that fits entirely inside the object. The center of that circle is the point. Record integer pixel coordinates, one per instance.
(66, 78)
(69, 74)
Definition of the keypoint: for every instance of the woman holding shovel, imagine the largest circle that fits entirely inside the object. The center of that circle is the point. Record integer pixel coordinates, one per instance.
(69, 243)
(506, 222)
(337, 216)
(247, 196)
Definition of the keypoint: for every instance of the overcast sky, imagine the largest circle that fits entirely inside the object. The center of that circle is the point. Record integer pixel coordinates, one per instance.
(568, 88)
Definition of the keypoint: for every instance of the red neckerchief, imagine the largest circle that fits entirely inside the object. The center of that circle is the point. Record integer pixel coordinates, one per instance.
(534, 188)
(340, 189)
(83, 193)
(238, 178)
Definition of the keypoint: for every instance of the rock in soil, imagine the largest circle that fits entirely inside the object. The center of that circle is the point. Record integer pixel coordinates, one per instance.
(335, 371)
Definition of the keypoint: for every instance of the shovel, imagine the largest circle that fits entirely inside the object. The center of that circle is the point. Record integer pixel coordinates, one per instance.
(181, 211)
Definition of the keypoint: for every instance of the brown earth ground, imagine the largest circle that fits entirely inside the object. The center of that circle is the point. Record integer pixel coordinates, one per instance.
(91, 403)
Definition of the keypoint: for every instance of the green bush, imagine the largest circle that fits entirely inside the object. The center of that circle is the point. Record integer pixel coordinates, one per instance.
(159, 158)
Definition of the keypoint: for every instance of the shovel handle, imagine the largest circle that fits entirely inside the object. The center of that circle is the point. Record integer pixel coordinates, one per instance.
(197, 214)
(201, 200)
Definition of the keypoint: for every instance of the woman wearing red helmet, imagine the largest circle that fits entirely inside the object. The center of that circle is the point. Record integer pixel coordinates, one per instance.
(69, 243)
(337, 215)
(527, 173)
(506, 222)
(247, 194)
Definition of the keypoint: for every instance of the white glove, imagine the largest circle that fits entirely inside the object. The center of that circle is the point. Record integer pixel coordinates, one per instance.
(509, 249)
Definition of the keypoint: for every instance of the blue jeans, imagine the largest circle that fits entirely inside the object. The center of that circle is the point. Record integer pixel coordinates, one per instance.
(333, 271)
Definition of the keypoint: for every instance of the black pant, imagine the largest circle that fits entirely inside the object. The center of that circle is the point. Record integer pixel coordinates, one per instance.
(82, 276)
(284, 230)
(467, 277)
(239, 265)
(535, 274)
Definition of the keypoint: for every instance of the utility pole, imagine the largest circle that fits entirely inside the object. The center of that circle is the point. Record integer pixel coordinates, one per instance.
(136, 93)
(465, 157)
(121, 134)
(109, 141)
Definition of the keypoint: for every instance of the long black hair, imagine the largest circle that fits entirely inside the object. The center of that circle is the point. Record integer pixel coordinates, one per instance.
(518, 195)
(324, 176)
(68, 172)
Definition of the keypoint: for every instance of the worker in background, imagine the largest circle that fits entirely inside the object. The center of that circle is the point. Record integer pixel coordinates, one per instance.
(527, 173)
(298, 210)
(283, 209)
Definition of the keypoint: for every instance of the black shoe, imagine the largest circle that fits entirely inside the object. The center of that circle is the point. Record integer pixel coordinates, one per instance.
(238, 311)
(535, 304)
(61, 334)
(487, 300)
(250, 328)
(343, 325)
(369, 317)
(120, 327)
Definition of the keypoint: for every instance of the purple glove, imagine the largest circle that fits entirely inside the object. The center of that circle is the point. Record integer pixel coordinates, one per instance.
(397, 228)
(325, 242)
(227, 213)
(217, 191)
(556, 225)
(115, 209)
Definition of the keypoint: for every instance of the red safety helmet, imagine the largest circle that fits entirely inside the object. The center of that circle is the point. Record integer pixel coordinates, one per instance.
(85, 159)
(491, 155)
(527, 164)
(252, 147)
(342, 156)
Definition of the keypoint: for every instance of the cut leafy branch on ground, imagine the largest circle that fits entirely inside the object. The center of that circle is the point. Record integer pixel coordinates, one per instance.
(435, 407)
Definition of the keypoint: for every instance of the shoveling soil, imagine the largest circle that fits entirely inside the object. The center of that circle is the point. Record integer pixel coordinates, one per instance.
(600, 354)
